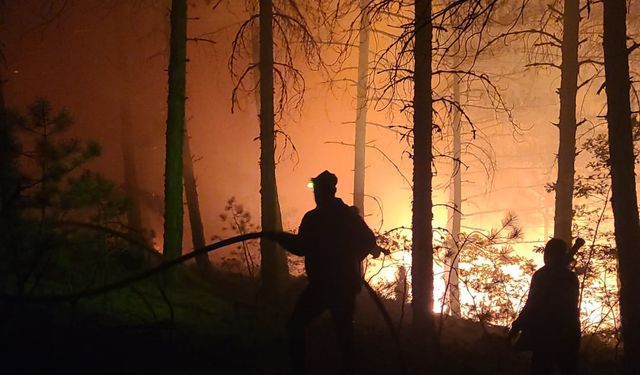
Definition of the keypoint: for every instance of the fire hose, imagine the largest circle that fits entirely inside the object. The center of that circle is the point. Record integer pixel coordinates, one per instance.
(165, 265)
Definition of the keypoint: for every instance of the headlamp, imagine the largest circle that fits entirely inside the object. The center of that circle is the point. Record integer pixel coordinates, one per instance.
(310, 184)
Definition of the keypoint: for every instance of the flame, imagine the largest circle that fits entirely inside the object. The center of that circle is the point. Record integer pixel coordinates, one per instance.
(385, 276)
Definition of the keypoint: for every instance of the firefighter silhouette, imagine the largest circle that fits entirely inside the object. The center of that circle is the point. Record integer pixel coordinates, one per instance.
(334, 240)
(549, 324)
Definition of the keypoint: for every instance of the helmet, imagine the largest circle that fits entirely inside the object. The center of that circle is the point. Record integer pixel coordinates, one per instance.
(325, 181)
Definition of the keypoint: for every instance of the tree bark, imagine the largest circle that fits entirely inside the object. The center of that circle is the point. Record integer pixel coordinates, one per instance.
(623, 184)
(567, 124)
(193, 204)
(274, 269)
(173, 210)
(361, 110)
(422, 215)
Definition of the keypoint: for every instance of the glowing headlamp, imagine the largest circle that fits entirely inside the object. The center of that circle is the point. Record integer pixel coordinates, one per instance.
(310, 184)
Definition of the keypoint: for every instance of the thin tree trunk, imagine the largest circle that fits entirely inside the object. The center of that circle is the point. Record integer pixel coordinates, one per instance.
(361, 110)
(9, 174)
(193, 205)
(567, 124)
(273, 263)
(623, 183)
(128, 142)
(131, 185)
(7, 155)
(453, 291)
(6, 159)
(173, 210)
(422, 215)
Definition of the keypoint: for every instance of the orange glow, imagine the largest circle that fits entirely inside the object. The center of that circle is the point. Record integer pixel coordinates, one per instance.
(383, 275)
(506, 168)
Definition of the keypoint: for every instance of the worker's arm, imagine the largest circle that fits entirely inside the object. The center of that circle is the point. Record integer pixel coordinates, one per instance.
(289, 241)
(366, 238)
(530, 307)
(293, 243)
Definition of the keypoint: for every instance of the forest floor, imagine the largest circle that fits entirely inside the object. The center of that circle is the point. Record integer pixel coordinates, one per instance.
(217, 326)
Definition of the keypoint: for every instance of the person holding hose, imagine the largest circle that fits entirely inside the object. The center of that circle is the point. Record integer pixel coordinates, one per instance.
(334, 240)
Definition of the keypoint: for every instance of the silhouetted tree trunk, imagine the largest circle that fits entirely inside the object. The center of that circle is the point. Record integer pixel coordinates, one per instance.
(453, 291)
(5, 136)
(7, 156)
(422, 215)
(274, 269)
(623, 183)
(9, 148)
(131, 185)
(173, 210)
(124, 29)
(3, 110)
(193, 205)
(567, 124)
(361, 110)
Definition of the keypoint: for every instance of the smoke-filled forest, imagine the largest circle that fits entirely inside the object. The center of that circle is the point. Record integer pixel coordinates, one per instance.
(319, 186)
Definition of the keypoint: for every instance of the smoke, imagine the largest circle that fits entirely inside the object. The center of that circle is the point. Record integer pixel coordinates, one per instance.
(95, 59)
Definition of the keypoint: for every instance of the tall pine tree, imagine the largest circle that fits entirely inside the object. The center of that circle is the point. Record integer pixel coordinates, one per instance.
(623, 182)
(173, 210)
(422, 215)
